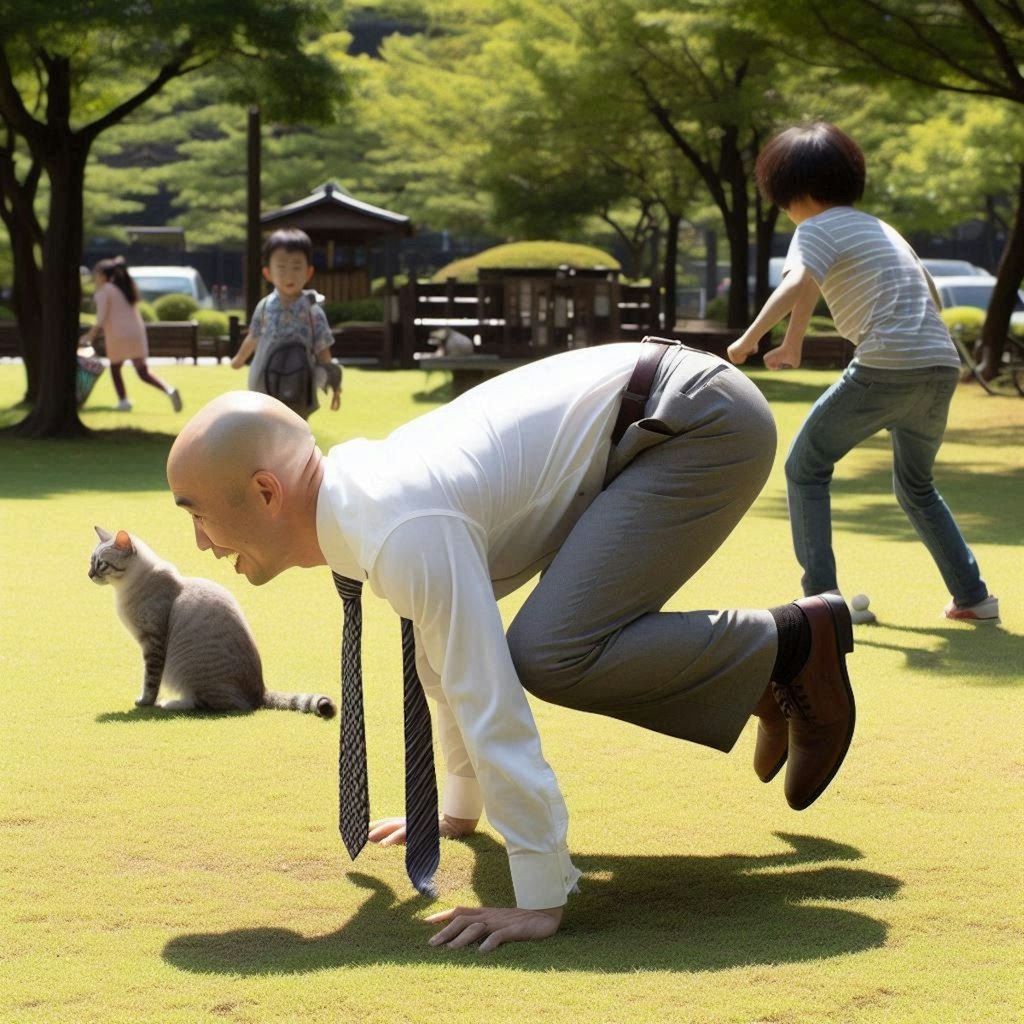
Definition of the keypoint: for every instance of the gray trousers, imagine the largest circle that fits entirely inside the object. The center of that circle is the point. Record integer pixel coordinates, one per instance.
(592, 636)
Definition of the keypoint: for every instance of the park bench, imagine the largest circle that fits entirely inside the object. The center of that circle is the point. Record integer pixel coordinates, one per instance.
(10, 346)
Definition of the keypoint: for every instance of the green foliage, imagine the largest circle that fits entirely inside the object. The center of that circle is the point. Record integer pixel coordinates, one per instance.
(6, 314)
(379, 284)
(175, 307)
(146, 311)
(355, 310)
(966, 321)
(212, 322)
(529, 255)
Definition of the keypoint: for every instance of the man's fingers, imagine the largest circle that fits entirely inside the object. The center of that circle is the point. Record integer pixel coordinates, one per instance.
(387, 831)
(459, 920)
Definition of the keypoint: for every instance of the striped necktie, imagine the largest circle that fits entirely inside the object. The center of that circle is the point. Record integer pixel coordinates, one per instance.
(422, 841)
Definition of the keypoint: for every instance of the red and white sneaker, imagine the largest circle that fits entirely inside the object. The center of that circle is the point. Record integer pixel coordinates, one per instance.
(983, 611)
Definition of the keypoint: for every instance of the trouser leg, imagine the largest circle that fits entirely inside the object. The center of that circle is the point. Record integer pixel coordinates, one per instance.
(915, 446)
(592, 636)
(843, 416)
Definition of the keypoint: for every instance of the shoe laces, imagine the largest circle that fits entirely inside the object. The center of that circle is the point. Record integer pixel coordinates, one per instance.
(793, 700)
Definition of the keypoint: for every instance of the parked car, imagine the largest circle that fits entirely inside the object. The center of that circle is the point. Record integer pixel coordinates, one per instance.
(970, 290)
(154, 282)
(954, 268)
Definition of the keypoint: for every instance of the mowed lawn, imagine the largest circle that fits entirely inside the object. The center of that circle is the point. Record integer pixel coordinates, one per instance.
(159, 869)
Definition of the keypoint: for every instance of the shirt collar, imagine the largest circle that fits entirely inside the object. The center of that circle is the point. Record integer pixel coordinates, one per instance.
(330, 514)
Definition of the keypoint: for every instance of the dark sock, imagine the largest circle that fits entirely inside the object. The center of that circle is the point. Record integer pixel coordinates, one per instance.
(794, 642)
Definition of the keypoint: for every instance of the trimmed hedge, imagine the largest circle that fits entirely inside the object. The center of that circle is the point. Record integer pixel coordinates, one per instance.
(355, 310)
(175, 307)
(212, 322)
(528, 256)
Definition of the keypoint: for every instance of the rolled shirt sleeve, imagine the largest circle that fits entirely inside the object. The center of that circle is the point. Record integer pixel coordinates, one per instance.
(433, 570)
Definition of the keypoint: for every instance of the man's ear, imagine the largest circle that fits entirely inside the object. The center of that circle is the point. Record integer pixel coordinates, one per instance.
(269, 491)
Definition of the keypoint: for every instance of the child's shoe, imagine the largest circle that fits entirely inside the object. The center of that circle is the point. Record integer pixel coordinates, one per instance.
(984, 611)
(175, 398)
(125, 405)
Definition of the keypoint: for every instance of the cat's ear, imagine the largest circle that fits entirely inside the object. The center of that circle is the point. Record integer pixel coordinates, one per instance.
(103, 535)
(123, 542)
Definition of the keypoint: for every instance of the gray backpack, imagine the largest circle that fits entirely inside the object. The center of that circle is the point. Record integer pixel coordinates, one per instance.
(289, 378)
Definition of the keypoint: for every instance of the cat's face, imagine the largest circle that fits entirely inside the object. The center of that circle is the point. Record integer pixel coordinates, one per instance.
(112, 556)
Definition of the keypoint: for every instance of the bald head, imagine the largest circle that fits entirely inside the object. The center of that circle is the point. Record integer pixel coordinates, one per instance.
(237, 434)
(247, 469)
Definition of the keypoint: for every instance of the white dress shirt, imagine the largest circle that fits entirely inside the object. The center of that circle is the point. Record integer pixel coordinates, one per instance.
(452, 510)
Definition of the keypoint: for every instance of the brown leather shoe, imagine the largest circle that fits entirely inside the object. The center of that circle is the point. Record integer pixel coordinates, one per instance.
(819, 702)
(772, 745)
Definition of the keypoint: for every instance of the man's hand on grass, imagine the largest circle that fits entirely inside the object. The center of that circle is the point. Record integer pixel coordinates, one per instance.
(391, 831)
(493, 926)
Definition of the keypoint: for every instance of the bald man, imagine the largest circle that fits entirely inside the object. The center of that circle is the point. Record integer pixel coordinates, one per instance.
(517, 477)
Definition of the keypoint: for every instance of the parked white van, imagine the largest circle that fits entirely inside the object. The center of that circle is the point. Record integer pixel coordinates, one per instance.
(154, 282)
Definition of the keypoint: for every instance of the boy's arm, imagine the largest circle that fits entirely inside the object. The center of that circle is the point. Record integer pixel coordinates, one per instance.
(797, 284)
(245, 350)
(788, 355)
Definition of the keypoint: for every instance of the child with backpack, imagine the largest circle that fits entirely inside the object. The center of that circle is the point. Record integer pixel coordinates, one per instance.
(289, 337)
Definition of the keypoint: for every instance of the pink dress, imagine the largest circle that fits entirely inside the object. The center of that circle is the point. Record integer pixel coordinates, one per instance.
(123, 329)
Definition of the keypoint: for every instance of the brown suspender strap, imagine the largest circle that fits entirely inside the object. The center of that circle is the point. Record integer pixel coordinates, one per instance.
(638, 390)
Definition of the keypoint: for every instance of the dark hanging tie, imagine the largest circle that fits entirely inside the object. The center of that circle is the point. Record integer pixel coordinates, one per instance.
(422, 835)
(422, 838)
(353, 791)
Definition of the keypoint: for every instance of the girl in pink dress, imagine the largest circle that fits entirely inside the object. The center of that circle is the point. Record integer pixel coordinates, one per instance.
(118, 318)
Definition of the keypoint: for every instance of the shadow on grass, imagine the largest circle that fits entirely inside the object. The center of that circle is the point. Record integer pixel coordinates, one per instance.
(633, 913)
(127, 459)
(984, 654)
(778, 387)
(979, 497)
(153, 714)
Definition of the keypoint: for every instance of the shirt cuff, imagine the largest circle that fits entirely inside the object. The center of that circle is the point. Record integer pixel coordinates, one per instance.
(462, 797)
(543, 880)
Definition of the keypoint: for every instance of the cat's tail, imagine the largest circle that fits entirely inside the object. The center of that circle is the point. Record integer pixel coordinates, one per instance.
(315, 703)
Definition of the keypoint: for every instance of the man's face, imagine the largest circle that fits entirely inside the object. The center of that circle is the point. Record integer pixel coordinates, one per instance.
(236, 526)
(288, 272)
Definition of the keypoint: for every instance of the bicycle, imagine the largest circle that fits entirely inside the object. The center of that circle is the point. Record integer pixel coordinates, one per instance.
(1008, 380)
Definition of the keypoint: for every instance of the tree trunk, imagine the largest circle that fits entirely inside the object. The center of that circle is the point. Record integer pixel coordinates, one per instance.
(1004, 294)
(55, 412)
(670, 272)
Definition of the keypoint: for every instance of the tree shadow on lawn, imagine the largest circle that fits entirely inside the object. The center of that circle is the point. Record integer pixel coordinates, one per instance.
(984, 655)
(127, 459)
(980, 497)
(633, 913)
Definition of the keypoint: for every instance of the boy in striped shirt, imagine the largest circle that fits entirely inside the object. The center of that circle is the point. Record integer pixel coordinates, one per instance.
(904, 371)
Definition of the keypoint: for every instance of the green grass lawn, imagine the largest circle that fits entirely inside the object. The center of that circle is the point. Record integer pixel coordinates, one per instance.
(165, 868)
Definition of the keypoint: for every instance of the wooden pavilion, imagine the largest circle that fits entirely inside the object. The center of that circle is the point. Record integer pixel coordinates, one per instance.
(343, 231)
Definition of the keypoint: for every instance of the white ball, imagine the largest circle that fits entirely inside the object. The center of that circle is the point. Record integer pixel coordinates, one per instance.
(859, 602)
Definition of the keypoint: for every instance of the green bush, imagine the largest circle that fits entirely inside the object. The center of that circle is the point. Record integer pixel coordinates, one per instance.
(212, 323)
(175, 307)
(966, 321)
(718, 308)
(528, 256)
(6, 314)
(379, 284)
(370, 309)
(147, 312)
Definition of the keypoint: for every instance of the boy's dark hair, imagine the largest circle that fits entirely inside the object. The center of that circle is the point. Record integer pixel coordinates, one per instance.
(289, 239)
(115, 270)
(817, 162)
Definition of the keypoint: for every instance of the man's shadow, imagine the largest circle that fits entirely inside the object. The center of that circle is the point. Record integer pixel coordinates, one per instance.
(632, 913)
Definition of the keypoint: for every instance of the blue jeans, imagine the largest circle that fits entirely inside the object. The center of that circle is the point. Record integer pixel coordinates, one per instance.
(913, 406)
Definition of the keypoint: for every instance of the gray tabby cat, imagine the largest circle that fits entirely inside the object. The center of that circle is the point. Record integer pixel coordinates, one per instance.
(193, 634)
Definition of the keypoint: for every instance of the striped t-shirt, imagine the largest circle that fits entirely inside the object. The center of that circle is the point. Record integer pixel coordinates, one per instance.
(876, 289)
